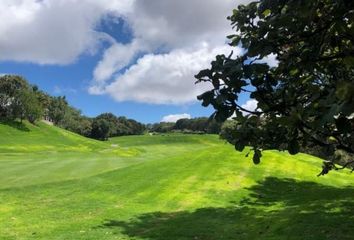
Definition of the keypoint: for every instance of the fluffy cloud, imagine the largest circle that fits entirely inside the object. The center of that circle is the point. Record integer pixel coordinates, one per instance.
(116, 57)
(164, 78)
(189, 33)
(171, 41)
(179, 23)
(175, 117)
(53, 31)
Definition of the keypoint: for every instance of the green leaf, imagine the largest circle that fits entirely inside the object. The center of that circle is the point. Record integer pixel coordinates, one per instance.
(239, 145)
(267, 12)
(203, 73)
(206, 97)
(257, 156)
(294, 71)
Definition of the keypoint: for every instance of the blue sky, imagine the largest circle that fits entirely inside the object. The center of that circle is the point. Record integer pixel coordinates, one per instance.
(128, 57)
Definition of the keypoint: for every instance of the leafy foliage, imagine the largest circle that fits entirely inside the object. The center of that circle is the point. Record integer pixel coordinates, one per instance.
(75, 122)
(18, 99)
(121, 126)
(57, 109)
(100, 129)
(307, 99)
(199, 125)
(29, 105)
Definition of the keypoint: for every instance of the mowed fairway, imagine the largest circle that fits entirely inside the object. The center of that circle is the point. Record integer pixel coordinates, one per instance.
(58, 185)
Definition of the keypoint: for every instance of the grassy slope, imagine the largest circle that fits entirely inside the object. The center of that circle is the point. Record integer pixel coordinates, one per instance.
(32, 154)
(163, 187)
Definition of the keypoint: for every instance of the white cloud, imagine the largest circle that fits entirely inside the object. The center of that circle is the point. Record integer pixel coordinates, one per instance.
(250, 105)
(53, 31)
(116, 57)
(164, 78)
(175, 117)
(190, 33)
(179, 23)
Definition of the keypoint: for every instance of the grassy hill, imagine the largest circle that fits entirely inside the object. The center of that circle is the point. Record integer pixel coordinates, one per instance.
(58, 185)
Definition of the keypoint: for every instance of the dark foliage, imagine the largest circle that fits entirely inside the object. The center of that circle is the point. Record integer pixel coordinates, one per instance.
(100, 129)
(195, 125)
(121, 126)
(202, 124)
(307, 99)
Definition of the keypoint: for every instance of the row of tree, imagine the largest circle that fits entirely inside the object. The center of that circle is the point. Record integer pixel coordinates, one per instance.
(195, 125)
(20, 100)
(108, 125)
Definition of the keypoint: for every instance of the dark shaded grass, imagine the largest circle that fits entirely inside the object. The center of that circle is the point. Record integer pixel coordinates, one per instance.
(15, 124)
(275, 209)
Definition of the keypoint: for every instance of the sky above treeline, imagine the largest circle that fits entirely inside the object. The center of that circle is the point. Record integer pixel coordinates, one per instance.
(134, 58)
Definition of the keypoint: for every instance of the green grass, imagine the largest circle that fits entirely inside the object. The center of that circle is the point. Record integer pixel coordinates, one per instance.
(58, 185)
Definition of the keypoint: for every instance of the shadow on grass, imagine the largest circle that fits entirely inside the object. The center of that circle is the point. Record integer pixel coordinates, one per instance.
(14, 124)
(275, 209)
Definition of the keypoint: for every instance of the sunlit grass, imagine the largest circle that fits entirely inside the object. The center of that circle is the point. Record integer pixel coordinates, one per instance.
(163, 187)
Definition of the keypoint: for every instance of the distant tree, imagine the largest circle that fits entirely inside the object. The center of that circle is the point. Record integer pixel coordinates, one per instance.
(85, 126)
(28, 106)
(200, 125)
(307, 98)
(182, 124)
(162, 127)
(214, 127)
(121, 126)
(57, 109)
(18, 100)
(112, 121)
(100, 129)
(74, 121)
(44, 100)
(10, 86)
(135, 127)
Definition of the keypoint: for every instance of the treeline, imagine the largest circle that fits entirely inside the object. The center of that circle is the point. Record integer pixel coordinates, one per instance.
(195, 125)
(23, 101)
(20, 100)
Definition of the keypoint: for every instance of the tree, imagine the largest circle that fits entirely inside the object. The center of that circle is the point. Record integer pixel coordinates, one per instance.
(29, 106)
(162, 127)
(44, 100)
(100, 129)
(75, 122)
(121, 126)
(113, 122)
(307, 98)
(10, 86)
(18, 99)
(57, 108)
(182, 124)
